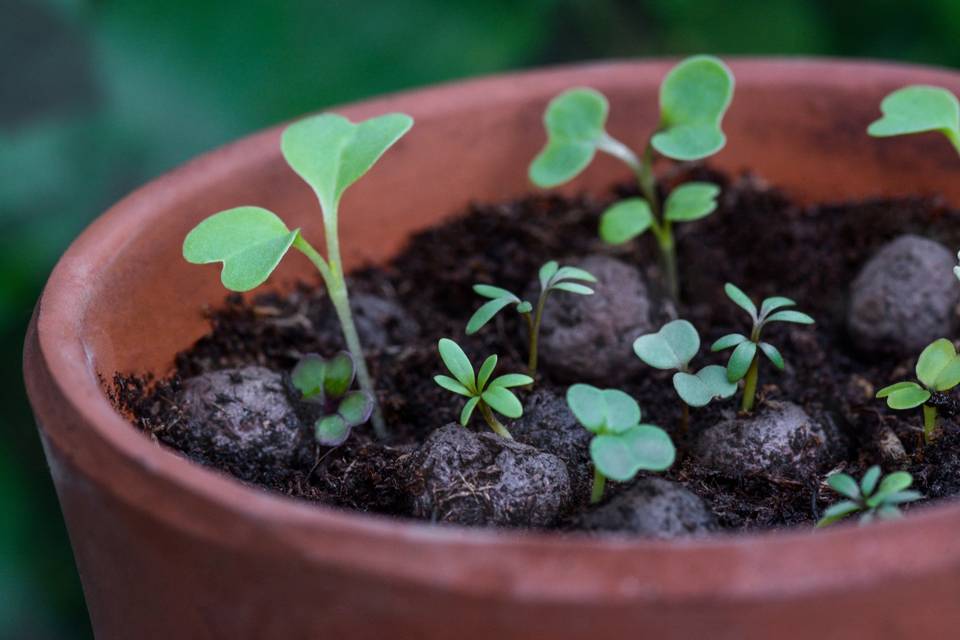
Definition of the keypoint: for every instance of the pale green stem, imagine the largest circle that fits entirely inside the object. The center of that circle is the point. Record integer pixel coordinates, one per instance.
(492, 421)
(535, 333)
(929, 422)
(599, 481)
(332, 274)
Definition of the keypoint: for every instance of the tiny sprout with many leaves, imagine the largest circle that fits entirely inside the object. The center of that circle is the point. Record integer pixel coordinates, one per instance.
(868, 499)
(918, 109)
(483, 393)
(326, 384)
(672, 348)
(553, 277)
(938, 369)
(744, 362)
(694, 97)
(621, 446)
(329, 153)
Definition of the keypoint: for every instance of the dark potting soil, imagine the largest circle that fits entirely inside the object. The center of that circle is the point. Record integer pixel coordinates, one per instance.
(758, 239)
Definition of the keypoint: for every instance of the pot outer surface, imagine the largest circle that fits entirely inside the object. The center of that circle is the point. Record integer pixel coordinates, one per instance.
(168, 549)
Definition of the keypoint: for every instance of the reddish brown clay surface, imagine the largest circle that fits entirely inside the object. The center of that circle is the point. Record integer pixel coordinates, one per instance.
(168, 549)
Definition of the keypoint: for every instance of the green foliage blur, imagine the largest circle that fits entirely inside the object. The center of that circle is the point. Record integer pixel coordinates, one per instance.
(97, 97)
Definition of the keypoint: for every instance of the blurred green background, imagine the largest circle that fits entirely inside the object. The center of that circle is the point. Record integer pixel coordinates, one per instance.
(97, 97)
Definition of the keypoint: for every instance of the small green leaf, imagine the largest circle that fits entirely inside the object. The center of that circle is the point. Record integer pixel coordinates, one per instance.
(741, 299)
(486, 369)
(906, 395)
(330, 153)
(691, 201)
(339, 375)
(845, 485)
(869, 481)
(450, 384)
(709, 384)
(773, 354)
(249, 241)
(837, 512)
(795, 317)
(468, 410)
(672, 347)
(485, 313)
(901, 497)
(773, 303)
(573, 287)
(574, 121)
(621, 412)
(886, 391)
(503, 401)
(916, 109)
(457, 362)
(308, 375)
(949, 376)
(355, 408)
(508, 380)
(547, 272)
(620, 456)
(573, 273)
(740, 360)
(888, 512)
(728, 341)
(892, 483)
(587, 404)
(331, 431)
(625, 220)
(933, 360)
(693, 99)
(489, 291)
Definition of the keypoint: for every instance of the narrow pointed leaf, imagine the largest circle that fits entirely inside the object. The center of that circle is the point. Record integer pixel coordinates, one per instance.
(450, 384)
(843, 484)
(573, 273)
(838, 512)
(468, 409)
(891, 484)
(771, 304)
(573, 287)
(508, 380)
(547, 272)
(741, 299)
(728, 341)
(486, 369)
(457, 362)
(485, 313)
(795, 317)
(740, 360)
(869, 481)
(492, 292)
(773, 354)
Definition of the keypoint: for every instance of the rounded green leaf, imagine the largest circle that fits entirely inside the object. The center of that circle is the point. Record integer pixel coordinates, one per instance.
(502, 401)
(331, 431)
(486, 369)
(740, 360)
(843, 484)
(837, 512)
(508, 380)
(933, 360)
(625, 220)
(905, 395)
(355, 408)
(588, 407)
(773, 354)
(339, 375)
(728, 341)
(709, 384)
(620, 410)
(693, 99)
(330, 153)
(691, 201)
(672, 347)
(248, 241)
(468, 409)
(886, 391)
(485, 313)
(574, 121)
(869, 481)
(450, 384)
(308, 375)
(916, 109)
(620, 456)
(741, 299)
(457, 362)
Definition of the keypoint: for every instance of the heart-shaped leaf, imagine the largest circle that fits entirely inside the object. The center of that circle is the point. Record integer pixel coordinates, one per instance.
(355, 408)
(709, 384)
(620, 456)
(625, 220)
(691, 201)
(603, 410)
(694, 96)
(904, 395)
(331, 153)
(249, 241)
(318, 379)
(672, 347)
(916, 109)
(331, 431)
(939, 366)
(575, 122)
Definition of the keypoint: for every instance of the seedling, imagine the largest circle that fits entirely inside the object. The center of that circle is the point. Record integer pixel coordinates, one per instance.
(330, 153)
(672, 348)
(744, 362)
(868, 499)
(694, 96)
(483, 393)
(326, 384)
(938, 369)
(553, 277)
(918, 109)
(621, 446)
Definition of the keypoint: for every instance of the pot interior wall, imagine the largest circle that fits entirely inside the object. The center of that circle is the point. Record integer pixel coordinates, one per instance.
(804, 132)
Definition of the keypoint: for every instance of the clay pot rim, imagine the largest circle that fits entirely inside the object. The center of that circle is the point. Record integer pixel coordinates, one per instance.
(56, 330)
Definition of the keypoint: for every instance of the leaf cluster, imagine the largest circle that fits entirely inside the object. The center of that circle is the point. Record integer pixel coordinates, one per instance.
(938, 369)
(631, 217)
(869, 499)
(326, 384)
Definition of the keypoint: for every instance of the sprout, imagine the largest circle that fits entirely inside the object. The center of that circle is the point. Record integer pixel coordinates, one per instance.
(672, 348)
(553, 277)
(621, 446)
(918, 109)
(330, 153)
(744, 362)
(326, 384)
(694, 96)
(938, 369)
(875, 502)
(483, 393)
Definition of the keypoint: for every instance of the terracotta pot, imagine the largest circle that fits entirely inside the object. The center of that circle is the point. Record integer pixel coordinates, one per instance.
(168, 549)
